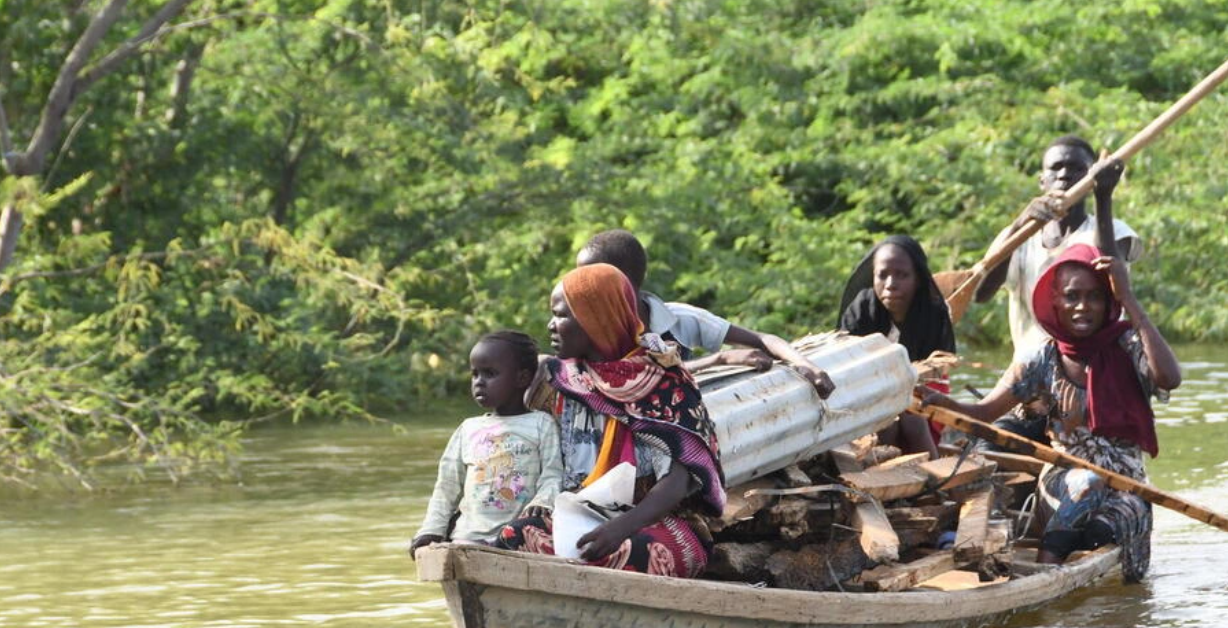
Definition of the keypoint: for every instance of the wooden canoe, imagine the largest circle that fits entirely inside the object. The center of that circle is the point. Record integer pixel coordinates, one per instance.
(491, 588)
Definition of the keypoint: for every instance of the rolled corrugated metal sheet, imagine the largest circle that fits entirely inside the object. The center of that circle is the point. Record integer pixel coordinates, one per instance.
(767, 421)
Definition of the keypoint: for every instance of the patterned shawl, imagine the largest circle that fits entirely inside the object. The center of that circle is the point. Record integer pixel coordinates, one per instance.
(1116, 405)
(644, 391)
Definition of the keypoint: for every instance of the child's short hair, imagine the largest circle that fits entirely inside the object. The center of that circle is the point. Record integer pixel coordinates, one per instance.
(622, 250)
(523, 346)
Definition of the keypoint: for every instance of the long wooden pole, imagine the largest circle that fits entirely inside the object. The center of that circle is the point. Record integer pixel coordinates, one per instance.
(1019, 444)
(959, 299)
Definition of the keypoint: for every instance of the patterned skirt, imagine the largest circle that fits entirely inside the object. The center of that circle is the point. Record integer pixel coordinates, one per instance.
(667, 548)
(1078, 498)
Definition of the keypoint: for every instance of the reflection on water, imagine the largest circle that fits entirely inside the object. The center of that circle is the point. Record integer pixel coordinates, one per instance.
(316, 534)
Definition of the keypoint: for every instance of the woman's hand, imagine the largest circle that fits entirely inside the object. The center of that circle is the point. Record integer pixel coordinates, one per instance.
(818, 378)
(1119, 276)
(602, 540)
(535, 511)
(423, 541)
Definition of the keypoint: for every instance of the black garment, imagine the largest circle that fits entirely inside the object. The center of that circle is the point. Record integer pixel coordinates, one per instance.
(927, 327)
(1031, 428)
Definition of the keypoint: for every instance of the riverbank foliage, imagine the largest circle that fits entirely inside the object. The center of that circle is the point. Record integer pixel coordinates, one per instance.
(310, 209)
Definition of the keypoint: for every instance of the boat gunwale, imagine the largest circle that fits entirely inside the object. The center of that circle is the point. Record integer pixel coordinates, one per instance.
(488, 566)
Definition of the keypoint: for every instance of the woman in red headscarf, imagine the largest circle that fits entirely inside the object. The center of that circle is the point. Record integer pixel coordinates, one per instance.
(621, 395)
(1095, 378)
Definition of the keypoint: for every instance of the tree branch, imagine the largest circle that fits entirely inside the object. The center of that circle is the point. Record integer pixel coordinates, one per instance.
(6, 140)
(63, 91)
(152, 29)
(59, 155)
(9, 282)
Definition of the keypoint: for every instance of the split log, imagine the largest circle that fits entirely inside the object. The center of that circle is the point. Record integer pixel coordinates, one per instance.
(1006, 461)
(878, 538)
(953, 472)
(908, 575)
(880, 454)
(794, 477)
(959, 580)
(998, 558)
(1013, 478)
(791, 517)
(744, 562)
(817, 567)
(739, 506)
(973, 527)
(887, 484)
(903, 461)
(844, 460)
(934, 518)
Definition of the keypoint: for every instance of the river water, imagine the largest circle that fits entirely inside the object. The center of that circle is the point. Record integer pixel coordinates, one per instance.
(315, 533)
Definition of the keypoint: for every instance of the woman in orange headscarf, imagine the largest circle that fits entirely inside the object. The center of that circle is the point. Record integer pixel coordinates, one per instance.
(621, 395)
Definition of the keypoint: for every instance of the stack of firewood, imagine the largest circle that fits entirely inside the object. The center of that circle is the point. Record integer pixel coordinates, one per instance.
(863, 517)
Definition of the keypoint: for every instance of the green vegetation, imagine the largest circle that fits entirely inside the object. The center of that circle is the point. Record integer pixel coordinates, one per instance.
(310, 209)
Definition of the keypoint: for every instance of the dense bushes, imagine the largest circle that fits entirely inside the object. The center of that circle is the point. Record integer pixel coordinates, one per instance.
(349, 194)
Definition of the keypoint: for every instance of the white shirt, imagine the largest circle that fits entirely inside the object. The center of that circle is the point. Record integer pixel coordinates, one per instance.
(1031, 260)
(690, 326)
(492, 468)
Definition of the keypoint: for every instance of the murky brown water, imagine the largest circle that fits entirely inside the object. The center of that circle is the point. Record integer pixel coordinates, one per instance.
(316, 534)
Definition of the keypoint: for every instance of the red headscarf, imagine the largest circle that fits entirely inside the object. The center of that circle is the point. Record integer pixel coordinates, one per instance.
(601, 298)
(1116, 405)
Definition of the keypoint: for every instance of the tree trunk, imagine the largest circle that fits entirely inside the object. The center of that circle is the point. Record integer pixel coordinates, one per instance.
(73, 79)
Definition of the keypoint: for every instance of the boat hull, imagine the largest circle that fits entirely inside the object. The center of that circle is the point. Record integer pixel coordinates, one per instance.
(488, 588)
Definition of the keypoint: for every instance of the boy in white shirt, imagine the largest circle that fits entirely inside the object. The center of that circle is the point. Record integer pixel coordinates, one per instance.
(692, 327)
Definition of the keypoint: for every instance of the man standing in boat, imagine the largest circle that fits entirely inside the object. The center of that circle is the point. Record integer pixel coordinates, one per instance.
(1065, 162)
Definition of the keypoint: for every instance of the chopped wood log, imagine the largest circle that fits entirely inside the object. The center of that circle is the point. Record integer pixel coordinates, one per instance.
(739, 506)
(878, 538)
(1006, 461)
(745, 562)
(1011, 478)
(973, 527)
(903, 461)
(887, 484)
(908, 575)
(817, 567)
(923, 523)
(845, 460)
(966, 471)
(880, 454)
(959, 580)
(790, 516)
(794, 477)
(862, 445)
(935, 518)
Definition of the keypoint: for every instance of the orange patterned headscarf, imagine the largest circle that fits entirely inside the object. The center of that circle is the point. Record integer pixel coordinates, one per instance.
(604, 303)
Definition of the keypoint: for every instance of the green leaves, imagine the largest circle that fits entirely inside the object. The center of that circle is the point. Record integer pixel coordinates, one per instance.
(352, 191)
